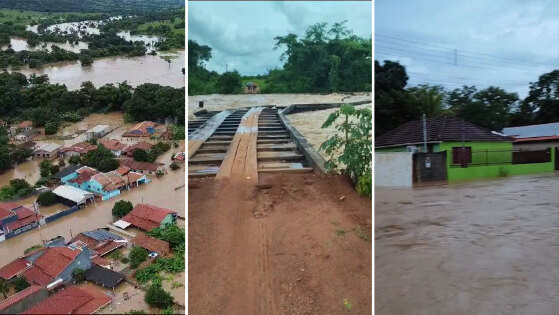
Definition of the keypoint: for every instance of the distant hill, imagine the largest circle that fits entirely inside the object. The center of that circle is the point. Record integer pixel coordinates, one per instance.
(109, 6)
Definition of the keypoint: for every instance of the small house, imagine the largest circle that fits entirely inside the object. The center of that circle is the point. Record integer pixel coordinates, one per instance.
(46, 150)
(26, 135)
(100, 242)
(534, 137)
(143, 129)
(24, 299)
(72, 196)
(129, 151)
(16, 219)
(65, 174)
(72, 300)
(78, 149)
(180, 157)
(147, 217)
(143, 167)
(25, 125)
(97, 132)
(116, 147)
(151, 244)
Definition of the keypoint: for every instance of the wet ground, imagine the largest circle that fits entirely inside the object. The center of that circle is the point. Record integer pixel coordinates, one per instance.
(220, 102)
(489, 247)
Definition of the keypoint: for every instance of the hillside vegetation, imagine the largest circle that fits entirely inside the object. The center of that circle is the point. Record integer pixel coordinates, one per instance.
(113, 6)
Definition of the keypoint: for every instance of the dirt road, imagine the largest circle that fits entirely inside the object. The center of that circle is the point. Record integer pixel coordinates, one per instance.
(285, 249)
(488, 247)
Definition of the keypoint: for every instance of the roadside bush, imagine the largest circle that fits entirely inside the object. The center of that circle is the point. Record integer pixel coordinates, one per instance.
(75, 160)
(352, 143)
(20, 284)
(137, 256)
(78, 274)
(122, 208)
(364, 185)
(157, 297)
(159, 173)
(48, 198)
(174, 166)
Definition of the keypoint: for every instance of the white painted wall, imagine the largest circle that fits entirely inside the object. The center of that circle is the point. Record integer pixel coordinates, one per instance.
(393, 169)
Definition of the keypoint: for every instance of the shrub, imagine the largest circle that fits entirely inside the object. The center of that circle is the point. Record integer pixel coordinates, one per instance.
(51, 128)
(137, 256)
(32, 248)
(75, 160)
(47, 198)
(159, 173)
(140, 155)
(78, 274)
(174, 166)
(20, 284)
(125, 260)
(157, 297)
(46, 168)
(364, 185)
(354, 144)
(170, 233)
(122, 208)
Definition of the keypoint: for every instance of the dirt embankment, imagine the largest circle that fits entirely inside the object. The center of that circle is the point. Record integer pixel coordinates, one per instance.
(301, 246)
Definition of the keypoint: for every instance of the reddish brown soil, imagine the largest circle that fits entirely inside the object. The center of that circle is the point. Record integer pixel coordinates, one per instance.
(286, 249)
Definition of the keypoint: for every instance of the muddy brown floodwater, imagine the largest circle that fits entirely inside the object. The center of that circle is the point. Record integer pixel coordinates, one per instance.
(489, 247)
(135, 70)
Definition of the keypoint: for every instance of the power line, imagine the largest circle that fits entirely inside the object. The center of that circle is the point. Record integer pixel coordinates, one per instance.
(463, 51)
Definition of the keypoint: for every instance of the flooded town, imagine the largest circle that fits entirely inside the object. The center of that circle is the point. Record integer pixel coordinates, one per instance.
(92, 176)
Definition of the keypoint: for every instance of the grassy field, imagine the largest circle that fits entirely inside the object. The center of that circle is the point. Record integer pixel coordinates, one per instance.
(31, 17)
(143, 29)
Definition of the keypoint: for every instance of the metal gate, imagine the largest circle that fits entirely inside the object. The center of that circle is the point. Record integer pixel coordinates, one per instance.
(429, 167)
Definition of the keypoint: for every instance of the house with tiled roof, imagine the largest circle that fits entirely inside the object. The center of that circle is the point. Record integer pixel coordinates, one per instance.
(108, 184)
(78, 149)
(142, 129)
(49, 266)
(72, 300)
(16, 219)
(151, 244)
(116, 147)
(460, 149)
(180, 157)
(142, 145)
(100, 242)
(25, 125)
(23, 300)
(143, 167)
(147, 217)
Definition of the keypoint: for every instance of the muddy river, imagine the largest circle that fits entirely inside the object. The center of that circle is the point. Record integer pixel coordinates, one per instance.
(490, 247)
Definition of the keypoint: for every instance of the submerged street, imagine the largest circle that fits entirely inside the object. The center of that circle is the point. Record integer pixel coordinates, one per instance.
(489, 247)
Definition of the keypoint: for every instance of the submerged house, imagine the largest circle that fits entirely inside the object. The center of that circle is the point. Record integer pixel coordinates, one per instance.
(78, 149)
(129, 151)
(107, 184)
(49, 266)
(143, 129)
(448, 148)
(16, 219)
(147, 217)
(46, 150)
(116, 147)
(97, 132)
(72, 300)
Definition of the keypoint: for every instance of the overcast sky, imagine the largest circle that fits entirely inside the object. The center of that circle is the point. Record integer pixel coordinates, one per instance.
(522, 38)
(241, 34)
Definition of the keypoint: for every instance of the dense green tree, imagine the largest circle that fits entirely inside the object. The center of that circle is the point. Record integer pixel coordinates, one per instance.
(20, 283)
(429, 99)
(46, 168)
(140, 155)
(75, 160)
(47, 198)
(122, 208)
(157, 297)
(542, 103)
(229, 83)
(137, 255)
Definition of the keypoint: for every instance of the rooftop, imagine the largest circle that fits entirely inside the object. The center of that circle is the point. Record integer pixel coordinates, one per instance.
(99, 128)
(103, 276)
(13, 299)
(439, 129)
(72, 300)
(66, 171)
(48, 147)
(152, 244)
(146, 216)
(113, 144)
(72, 193)
(533, 131)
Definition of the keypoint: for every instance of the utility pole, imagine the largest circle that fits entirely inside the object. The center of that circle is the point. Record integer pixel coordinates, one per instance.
(226, 68)
(424, 133)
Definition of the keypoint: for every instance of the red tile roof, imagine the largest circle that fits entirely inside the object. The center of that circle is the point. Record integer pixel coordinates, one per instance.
(151, 243)
(13, 268)
(55, 259)
(140, 145)
(113, 144)
(37, 276)
(6, 209)
(100, 261)
(81, 148)
(146, 216)
(72, 300)
(25, 124)
(122, 170)
(142, 166)
(13, 299)
(140, 129)
(84, 174)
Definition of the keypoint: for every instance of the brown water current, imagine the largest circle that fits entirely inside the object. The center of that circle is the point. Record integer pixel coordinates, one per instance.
(134, 70)
(489, 247)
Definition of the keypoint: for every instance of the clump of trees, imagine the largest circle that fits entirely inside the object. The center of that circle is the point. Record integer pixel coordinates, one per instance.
(152, 154)
(47, 198)
(493, 108)
(101, 159)
(122, 208)
(137, 256)
(17, 188)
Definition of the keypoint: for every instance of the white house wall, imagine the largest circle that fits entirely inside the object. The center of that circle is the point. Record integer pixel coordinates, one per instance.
(393, 169)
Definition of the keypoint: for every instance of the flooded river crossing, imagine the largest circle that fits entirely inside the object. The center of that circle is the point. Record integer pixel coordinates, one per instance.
(489, 247)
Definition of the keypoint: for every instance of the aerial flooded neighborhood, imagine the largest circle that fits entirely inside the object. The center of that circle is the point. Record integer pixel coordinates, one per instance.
(92, 172)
